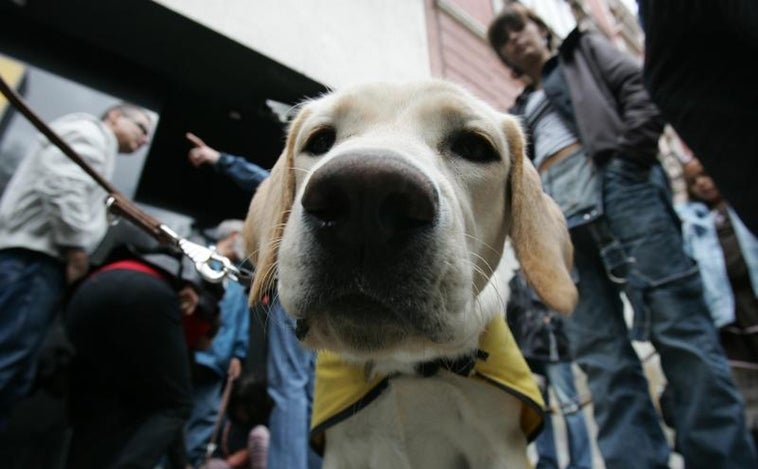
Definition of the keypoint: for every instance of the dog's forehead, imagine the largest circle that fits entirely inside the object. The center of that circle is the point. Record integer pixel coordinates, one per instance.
(434, 103)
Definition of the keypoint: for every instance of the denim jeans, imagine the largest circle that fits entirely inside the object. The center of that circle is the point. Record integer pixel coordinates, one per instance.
(31, 288)
(206, 399)
(290, 370)
(560, 377)
(713, 432)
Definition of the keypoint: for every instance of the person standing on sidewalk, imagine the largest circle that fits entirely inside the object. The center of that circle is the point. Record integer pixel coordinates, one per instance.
(52, 214)
(594, 134)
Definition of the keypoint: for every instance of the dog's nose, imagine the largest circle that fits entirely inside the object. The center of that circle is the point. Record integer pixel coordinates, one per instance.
(370, 199)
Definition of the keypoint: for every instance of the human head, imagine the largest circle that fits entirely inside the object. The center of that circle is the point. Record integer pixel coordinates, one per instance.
(517, 20)
(700, 185)
(130, 123)
(229, 242)
(249, 402)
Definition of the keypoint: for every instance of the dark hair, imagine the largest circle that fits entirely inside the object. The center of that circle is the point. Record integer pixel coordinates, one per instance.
(249, 402)
(513, 17)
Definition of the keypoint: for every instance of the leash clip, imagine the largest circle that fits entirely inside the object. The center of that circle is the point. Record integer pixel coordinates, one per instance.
(212, 266)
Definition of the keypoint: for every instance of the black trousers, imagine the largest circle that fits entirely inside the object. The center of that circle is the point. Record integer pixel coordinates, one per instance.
(130, 391)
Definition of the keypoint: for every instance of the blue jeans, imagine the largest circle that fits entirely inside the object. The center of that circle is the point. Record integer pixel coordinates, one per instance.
(713, 432)
(31, 288)
(290, 370)
(206, 399)
(559, 377)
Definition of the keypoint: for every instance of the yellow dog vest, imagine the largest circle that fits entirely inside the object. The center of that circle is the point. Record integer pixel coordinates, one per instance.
(342, 389)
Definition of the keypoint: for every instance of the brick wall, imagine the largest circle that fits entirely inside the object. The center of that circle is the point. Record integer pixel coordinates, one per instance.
(459, 50)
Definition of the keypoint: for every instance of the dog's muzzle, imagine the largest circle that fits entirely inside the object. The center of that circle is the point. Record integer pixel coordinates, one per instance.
(370, 221)
(371, 201)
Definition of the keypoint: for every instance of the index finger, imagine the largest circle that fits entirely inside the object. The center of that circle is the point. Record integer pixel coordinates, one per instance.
(197, 141)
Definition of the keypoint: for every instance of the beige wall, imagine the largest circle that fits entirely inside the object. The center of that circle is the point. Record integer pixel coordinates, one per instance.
(335, 42)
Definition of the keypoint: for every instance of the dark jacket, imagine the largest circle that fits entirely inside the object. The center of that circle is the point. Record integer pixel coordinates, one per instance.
(126, 241)
(616, 116)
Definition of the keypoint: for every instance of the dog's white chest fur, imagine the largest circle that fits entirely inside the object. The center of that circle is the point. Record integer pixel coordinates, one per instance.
(443, 421)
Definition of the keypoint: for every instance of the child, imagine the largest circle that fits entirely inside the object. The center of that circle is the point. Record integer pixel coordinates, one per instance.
(244, 436)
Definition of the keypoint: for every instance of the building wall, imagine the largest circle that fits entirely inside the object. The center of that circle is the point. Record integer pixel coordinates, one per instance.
(335, 42)
(338, 42)
(459, 50)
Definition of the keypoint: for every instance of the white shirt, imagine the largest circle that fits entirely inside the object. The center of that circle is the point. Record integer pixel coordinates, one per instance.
(50, 203)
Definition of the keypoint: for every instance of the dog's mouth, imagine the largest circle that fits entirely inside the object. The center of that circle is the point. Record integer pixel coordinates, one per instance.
(362, 324)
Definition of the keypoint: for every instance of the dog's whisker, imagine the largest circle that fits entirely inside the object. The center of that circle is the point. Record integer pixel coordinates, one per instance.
(485, 274)
(484, 244)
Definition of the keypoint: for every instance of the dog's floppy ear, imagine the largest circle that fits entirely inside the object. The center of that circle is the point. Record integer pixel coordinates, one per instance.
(268, 214)
(538, 230)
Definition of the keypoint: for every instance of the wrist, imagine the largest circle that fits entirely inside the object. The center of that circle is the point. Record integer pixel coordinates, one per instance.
(224, 159)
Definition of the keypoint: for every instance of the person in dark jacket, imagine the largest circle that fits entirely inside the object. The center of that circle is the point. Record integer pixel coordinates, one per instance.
(541, 337)
(699, 72)
(594, 134)
(130, 383)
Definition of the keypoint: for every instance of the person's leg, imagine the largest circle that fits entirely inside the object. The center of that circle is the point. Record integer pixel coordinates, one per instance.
(206, 398)
(561, 379)
(708, 410)
(623, 411)
(31, 287)
(547, 456)
(289, 369)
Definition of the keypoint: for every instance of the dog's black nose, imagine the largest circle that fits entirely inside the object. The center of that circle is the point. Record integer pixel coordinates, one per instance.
(370, 199)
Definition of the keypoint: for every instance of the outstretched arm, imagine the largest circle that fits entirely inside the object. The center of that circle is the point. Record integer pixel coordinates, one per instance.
(245, 174)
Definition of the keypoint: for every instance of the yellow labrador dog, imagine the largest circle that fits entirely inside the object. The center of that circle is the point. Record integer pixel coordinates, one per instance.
(382, 228)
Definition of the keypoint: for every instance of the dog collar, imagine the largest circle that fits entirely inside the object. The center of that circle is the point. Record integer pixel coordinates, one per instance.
(342, 389)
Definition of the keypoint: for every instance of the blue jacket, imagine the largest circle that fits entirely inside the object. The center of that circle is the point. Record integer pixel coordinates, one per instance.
(702, 244)
(232, 338)
(245, 174)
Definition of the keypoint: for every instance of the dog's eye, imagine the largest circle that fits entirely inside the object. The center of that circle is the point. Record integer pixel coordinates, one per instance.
(473, 147)
(320, 141)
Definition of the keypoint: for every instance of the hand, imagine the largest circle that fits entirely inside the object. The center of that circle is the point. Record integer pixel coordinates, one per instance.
(201, 153)
(77, 264)
(188, 299)
(235, 368)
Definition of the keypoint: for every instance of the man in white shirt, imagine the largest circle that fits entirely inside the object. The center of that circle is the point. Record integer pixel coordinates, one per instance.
(51, 214)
